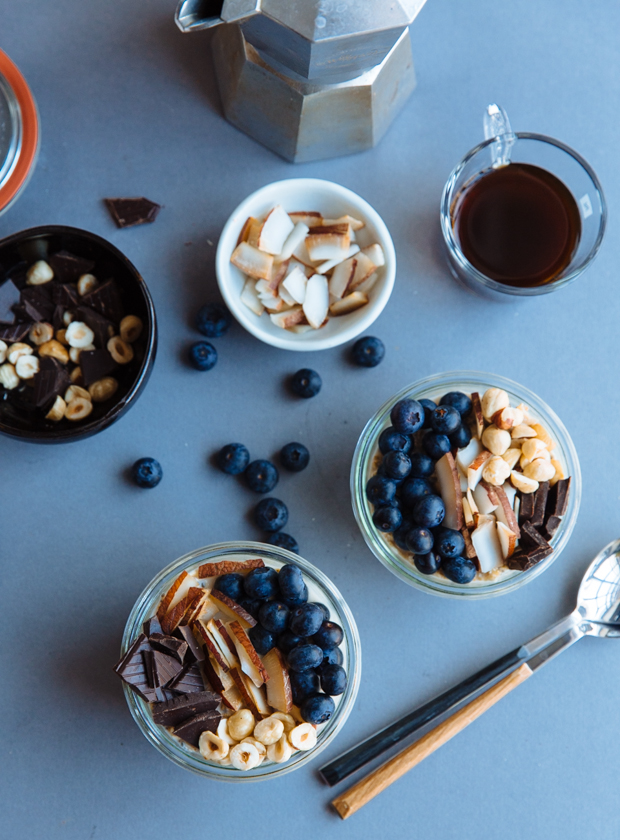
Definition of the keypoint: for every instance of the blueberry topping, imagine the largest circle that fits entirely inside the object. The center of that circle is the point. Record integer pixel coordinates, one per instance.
(458, 400)
(436, 445)
(461, 437)
(407, 416)
(300, 599)
(449, 543)
(331, 656)
(202, 355)
(445, 419)
(421, 465)
(329, 635)
(147, 472)
(283, 540)
(380, 490)
(261, 638)
(420, 540)
(324, 608)
(287, 641)
(459, 569)
(400, 534)
(250, 605)
(291, 581)
(368, 351)
(333, 679)
(428, 564)
(231, 585)
(274, 616)
(305, 620)
(429, 406)
(261, 584)
(387, 518)
(233, 458)
(304, 657)
(270, 515)
(317, 708)
(413, 489)
(304, 684)
(213, 320)
(396, 465)
(392, 441)
(261, 476)
(429, 511)
(294, 457)
(306, 383)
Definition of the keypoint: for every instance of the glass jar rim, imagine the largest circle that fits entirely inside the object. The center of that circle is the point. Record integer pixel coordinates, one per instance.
(465, 265)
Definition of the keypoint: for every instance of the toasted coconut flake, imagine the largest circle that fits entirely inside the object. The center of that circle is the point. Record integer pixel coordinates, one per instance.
(275, 230)
(291, 318)
(366, 285)
(285, 295)
(348, 304)
(252, 261)
(485, 540)
(254, 232)
(250, 298)
(311, 218)
(251, 663)
(279, 693)
(245, 230)
(342, 277)
(166, 601)
(201, 631)
(278, 273)
(316, 301)
(233, 698)
(232, 609)
(227, 567)
(295, 284)
(507, 540)
(355, 224)
(323, 268)
(375, 254)
(328, 242)
(301, 255)
(363, 270)
(293, 240)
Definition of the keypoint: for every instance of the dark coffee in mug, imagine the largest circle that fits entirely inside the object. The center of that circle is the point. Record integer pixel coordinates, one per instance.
(518, 225)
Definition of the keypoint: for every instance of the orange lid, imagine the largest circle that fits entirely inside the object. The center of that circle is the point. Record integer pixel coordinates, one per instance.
(26, 132)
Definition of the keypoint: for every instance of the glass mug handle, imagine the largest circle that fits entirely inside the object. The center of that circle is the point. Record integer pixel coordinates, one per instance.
(497, 126)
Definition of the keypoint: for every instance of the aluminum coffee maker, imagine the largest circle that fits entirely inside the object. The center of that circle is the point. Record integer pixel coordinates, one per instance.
(309, 79)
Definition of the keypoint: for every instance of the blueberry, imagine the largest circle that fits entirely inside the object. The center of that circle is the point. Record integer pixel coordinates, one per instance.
(387, 518)
(380, 490)
(461, 437)
(287, 641)
(202, 355)
(459, 569)
(458, 400)
(331, 656)
(250, 605)
(274, 616)
(407, 416)
(429, 511)
(294, 457)
(231, 585)
(270, 515)
(261, 638)
(445, 419)
(436, 445)
(283, 540)
(261, 584)
(306, 383)
(233, 458)
(449, 543)
(419, 540)
(413, 489)
(317, 708)
(392, 441)
(396, 465)
(421, 465)
(261, 476)
(304, 684)
(305, 620)
(290, 581)
(428, 564)
(328, 635)
(324, 608)
(147, 472)
(213, 320)
(333, 679)
(429, 406)
(304, 657)
(368, 351)
(400, 534)
(300, 599)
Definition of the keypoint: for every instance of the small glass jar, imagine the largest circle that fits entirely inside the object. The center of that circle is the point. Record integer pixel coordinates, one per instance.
(434, 387)
(321, 589)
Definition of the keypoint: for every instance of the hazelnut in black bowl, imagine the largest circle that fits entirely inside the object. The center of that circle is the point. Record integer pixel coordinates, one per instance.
(78, 334)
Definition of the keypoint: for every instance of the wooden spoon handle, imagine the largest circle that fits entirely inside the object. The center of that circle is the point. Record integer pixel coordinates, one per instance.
(353, 799)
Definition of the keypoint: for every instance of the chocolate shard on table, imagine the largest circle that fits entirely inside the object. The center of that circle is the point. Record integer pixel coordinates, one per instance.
(184, 632)
(526, 511)
(168, 644)
(151, 626)
(181, 708)
(191, 730)
(101, 326)
(190, 680)
(9, 297)
(540, 504)
(132, 671)
(95, 365)
(37, 303)
(51, 380)
(16, 332)
(127, 212)
(106, 300)
(68, 268)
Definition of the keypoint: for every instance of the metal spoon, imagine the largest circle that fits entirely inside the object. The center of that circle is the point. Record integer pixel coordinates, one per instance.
(597, 614)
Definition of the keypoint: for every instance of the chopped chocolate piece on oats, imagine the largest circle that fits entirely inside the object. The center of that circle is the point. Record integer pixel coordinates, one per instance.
(557, 504)
(68, 268)
(552, 524)
(106, 300)
(526, 511)
(95, 365)
(11, 334)
(127, 212)
(190, 680)
(51, 380)
(151, 625)
(191, 730)
(102, 327)
(525, 560)
(168, 644)
(531, 538)
(65, 294)
(181, 708)
(132, 671)
(540, 504)
(9, 296)
(165, 668)
(194, 651)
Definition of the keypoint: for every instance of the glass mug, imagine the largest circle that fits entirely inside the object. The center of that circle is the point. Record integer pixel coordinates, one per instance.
(501, 148)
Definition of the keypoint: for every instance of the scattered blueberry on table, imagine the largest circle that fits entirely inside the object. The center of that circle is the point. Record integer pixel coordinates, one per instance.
(213, 320)
(261, 476)
(283, 540)
(368, 351)
(203, 355)
(233, 458)
(270, 515)
(147, 472)
(306, 383)
(294, 457)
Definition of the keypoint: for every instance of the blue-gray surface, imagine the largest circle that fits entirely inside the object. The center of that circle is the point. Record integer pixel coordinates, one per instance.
(128, 107)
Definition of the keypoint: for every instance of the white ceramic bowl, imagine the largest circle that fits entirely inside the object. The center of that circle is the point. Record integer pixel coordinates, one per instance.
(332, 201)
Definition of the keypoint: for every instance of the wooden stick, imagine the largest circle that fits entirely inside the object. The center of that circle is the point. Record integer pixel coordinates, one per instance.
(353, 799)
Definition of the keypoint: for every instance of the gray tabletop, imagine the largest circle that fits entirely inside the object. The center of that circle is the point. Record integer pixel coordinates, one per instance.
(128, 106)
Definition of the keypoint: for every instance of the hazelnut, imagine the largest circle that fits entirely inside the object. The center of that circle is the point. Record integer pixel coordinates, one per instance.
(39, 273)
(508, 417)
(540, 470)
(523, 483)
(61, 335)
(54, 349)
(241, 724)
(76, 376)
(40, 333)
(27, 366)
(523, 431)
(511, 456)
(130, 328)
(532, 447)
(3, 351)
(57, 411)
(212, 747)
(74, 391)
(67, 318)
(269, 731)
(79, 335)
(559, 472)
(78, 408)
(75, 352)
(542, 455)
(543, 434)
(527, 417)
(86, 284)
(496, 470)
(102, 390)
(16, 350)
(497, 441)
(121, 352)
(8, 378)
(493, 400)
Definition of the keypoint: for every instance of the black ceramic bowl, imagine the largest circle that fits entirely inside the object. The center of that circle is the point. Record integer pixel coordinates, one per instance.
(17, 417)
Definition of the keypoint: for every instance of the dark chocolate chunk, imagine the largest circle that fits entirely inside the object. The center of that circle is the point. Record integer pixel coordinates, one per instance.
(181, 708)
(9, 297)
(51, 380)
(190, 680)
(10, 334)
(132, 211)
(194, 649)
(540, 505)
(165, 668)
(531, 538)
(68, 268)
(191, 730)
(102, 327)
(558, 498)
(168, 644)
(526, 510)
(131, 669)
(106, 300)
(149, 666)
(96, 364)
(57, 321)
(65, 294)
(151, 625)
(552, 524)
(37, 303)
(523, 561)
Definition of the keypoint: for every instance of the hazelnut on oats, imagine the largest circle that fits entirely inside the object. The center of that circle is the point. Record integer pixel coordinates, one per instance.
(497, 441)
(8, 378)
(121, 352)
(57, 411)
(16, 350)
(54, 349)
(39, 273)
(540, 470)
(493, 400)
(40, 333)
(496, 470)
